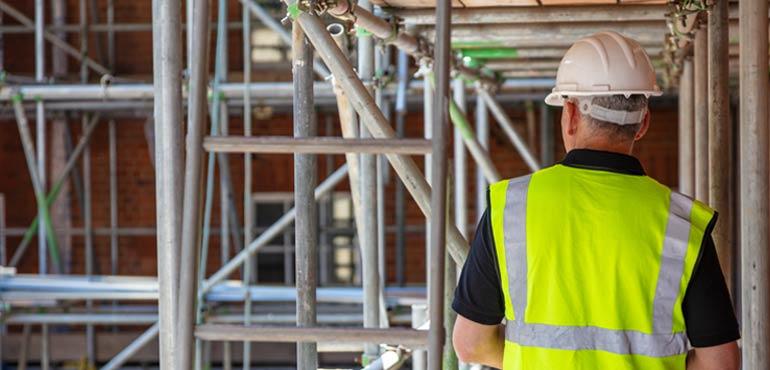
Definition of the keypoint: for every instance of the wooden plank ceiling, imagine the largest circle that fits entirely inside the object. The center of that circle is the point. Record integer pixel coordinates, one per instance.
(414, 4)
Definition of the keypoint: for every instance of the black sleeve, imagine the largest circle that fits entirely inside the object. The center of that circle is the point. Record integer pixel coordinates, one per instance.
(708, 310)
(478, 296)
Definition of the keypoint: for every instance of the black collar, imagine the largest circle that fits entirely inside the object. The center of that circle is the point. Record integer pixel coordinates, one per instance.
(603, 161)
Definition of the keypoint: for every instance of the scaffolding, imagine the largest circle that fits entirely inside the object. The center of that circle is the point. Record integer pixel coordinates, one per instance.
(473, 53)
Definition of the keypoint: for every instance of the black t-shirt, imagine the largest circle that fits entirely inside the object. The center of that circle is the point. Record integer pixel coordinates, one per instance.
(708, 312)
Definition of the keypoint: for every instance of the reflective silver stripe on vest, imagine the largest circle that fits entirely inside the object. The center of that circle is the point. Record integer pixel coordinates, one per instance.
(623, 342)
(515, 236)
(662, 343)
(672, 262)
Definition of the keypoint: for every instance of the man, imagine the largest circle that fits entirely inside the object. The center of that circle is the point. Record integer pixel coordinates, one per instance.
(592, 264)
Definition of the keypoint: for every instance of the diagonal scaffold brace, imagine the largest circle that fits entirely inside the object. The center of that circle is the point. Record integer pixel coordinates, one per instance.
(375, 121)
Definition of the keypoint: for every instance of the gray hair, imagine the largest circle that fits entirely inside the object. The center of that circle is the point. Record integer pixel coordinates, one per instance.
(614, 102)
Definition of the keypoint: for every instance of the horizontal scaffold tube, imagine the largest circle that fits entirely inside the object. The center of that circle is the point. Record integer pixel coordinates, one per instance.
(315, 145)
(264, 91)
(403, 336)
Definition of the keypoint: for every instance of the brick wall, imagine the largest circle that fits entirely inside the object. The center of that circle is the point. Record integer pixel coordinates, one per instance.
(271, 172)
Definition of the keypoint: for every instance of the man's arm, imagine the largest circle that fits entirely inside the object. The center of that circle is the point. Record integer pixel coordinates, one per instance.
(480, 344)
(722, 357)
(478, 335)
(708, 314)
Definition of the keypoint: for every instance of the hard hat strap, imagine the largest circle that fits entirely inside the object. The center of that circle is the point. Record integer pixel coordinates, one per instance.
(620, 117)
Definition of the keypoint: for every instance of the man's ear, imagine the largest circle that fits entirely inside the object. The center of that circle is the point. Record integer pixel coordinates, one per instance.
(645, 125)
(569, 118)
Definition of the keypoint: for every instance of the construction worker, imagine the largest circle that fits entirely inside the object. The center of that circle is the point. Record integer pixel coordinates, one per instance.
(592, 264)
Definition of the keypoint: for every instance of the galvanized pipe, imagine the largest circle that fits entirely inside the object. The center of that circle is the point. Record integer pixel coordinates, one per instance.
(719, 134)
(248, 204)
(60, 212)
(314, 145)
(191, 218)
(686, 130)
(507, 126)
(113, 169)
(438, 199)
(427, 121)
(381, 61)
(88, 239)
(167, 64)
(460, 163)
(450, 283)
(305, 178)
(754, 190)
(367, 236)
(482, 134)
(701, 133)
(331, 335)
(40, 140)
(400, 248)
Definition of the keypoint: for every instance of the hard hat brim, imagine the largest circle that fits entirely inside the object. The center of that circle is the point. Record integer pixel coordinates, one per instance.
(556, 98)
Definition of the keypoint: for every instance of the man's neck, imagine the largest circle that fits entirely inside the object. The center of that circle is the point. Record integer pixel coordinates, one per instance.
(605, 146)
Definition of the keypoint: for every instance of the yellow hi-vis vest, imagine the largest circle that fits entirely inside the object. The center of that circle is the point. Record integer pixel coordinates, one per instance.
(594, 266)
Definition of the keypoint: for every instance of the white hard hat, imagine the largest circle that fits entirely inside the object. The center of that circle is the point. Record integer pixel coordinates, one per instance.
(605, 63)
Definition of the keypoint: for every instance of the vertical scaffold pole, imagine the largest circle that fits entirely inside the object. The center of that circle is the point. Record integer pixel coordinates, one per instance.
(305, 179)
(86, 209)
(427, 121)
(450, 278)
(248, 211)
(460, 163)
(40, 143)
(438, 201)
(403, 82)
(167, 67)
(701, 138)
(198, 27)
(754, 183)
(368, 235)
(686, 130)
(720, 138)
(381, 63)
(482, 133)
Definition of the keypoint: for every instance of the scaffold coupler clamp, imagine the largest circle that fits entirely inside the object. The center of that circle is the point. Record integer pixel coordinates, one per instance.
(425, 67)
